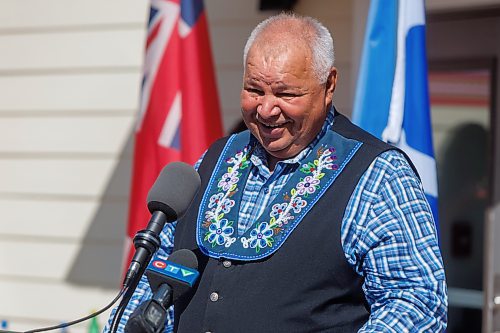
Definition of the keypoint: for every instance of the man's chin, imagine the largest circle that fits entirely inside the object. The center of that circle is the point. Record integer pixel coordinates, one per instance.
(280, 152)
(273, 147)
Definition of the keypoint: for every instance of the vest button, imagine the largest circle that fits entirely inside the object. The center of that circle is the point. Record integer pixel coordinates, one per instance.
(226, 263)
(214, 297)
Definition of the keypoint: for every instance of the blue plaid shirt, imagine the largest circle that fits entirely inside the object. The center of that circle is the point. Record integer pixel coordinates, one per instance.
(388, 236)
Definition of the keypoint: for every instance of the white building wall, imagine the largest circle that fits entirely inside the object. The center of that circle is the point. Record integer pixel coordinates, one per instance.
(69, 78)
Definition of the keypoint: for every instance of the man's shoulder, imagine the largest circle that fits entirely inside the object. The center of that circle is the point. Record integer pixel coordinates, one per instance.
(393, 161)
(387, 156)
(346, 128)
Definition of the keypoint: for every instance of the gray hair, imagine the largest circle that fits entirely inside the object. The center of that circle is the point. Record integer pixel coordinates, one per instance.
(320, 43)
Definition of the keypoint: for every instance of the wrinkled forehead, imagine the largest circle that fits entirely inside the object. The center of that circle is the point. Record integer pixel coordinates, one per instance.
(288, 66)
(277, 49)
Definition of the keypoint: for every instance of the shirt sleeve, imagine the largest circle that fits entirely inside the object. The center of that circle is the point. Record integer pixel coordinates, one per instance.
(389, 237)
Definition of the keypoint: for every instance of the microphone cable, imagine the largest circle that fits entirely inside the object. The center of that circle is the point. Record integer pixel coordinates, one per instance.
(63, 325)
(128, 291)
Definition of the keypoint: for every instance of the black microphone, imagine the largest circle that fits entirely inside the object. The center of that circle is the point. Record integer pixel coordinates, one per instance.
(169, 279)
(168, 200)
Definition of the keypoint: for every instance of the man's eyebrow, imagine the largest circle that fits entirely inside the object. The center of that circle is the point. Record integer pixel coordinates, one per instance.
(250, 80)
(282, 87)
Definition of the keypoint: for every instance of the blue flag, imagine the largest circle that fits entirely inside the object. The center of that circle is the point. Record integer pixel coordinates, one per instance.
(392, 95)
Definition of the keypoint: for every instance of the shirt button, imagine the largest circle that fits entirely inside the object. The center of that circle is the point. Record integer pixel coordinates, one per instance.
(214, 297)
(266, 190)
(226, 263)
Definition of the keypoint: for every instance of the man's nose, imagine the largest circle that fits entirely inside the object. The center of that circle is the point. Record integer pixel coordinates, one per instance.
(268, 106)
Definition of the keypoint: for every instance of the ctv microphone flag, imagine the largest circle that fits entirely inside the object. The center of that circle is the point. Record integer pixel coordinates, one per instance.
(392, 97)
(160, 267)
(179, 108)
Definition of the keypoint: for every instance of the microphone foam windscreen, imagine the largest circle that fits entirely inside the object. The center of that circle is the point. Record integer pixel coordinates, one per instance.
(184, 257)
(173, 190)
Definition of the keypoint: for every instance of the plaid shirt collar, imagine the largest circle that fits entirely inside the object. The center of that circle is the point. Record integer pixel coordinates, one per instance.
(259, 156)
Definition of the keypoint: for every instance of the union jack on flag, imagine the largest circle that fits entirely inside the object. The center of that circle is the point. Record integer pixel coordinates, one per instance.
(179, 108)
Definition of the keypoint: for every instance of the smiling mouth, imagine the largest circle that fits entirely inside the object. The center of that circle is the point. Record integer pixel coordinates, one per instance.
(272, 125)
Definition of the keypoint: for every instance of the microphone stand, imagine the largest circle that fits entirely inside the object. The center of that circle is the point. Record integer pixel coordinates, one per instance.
(146, 243)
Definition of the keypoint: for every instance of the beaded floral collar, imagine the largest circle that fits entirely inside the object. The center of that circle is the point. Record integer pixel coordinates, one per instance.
(218, 213)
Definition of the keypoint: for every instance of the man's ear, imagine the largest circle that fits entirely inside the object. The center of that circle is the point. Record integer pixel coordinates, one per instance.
(331, 83)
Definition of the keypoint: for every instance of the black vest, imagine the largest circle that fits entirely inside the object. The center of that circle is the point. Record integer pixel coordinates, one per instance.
(306, 286)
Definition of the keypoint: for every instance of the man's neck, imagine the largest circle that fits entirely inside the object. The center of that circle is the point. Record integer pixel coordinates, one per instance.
(272, 161)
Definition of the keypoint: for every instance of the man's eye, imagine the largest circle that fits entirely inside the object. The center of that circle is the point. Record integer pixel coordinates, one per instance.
(286, 95)
(255, 91)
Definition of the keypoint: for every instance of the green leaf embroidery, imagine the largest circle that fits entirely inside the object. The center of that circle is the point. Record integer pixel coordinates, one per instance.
(305, 170)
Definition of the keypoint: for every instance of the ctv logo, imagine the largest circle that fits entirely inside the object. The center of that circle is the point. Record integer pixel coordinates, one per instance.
(159, 264)
(172, 268)
(167, 267)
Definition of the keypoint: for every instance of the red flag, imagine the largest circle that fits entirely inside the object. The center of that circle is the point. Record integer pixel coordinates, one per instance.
(179, 112)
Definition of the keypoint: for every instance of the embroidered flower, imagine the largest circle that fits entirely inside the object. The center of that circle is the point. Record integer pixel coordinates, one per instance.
(214, 199)
(219, 232)
(209, 215)
(308, 185)
(331, 166)
(217, 201)
(239, 157)
(283, 221)
(261, 237)
(278, 209)
(227, 205)
(329, 159)
(228, 180)
(298, 204)
(308, 167)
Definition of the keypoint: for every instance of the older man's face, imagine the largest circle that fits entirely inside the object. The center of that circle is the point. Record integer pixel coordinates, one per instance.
(282, 101)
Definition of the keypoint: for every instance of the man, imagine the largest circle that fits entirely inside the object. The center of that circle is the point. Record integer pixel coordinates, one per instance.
(305, 223)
